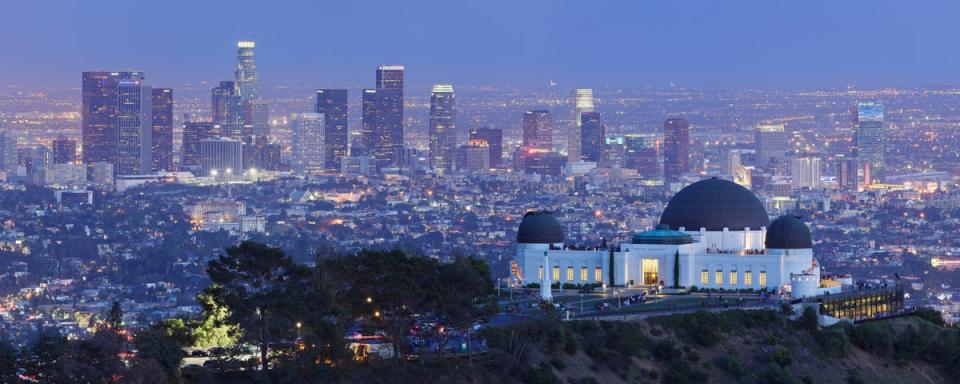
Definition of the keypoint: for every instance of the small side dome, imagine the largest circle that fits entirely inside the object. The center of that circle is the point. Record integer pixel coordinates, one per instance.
(788, 232)
(662, 234)
(539, 227)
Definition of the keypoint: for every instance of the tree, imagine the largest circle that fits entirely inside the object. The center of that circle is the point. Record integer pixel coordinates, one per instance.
(8, 363)
(266, 293)
(115, 318)
(214, 328)
(154, 344)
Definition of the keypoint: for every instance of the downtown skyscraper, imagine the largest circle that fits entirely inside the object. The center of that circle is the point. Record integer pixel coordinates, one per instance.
(676, 149)
(771, 144)
(868, 121)
(494, 139)
(388, 126)
(442, 131)
(100, 114)
(538, 130)
(592, 137)
(247, 82)
(582, 103)
(308, 143)
(64, 150)
(332, 103)
(161, 152)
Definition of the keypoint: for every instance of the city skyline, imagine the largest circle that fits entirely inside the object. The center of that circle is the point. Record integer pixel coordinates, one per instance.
(750, 44)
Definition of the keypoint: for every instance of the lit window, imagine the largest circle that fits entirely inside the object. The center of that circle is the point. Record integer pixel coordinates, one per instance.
(584, 274)
(748, 278)
(569, 273)
(763, 278)
(733, 277)
(556, 273)
(704, 277)
(651, 269)
(718, 278)
(540, 273)
(598, 274)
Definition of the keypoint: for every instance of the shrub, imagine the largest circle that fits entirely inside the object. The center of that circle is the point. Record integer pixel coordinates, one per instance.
(834, 342)
(782, 357)
(731, 365)
(930, 315)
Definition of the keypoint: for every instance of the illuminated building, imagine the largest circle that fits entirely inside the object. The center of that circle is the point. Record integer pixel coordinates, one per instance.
(161, 151)
(582, 103)
(332, 103)
(805, 172)
(770, 141)
(592, 137)
(221, 158)
(494, 139)
(676, 149)
(388, 126)
(64, 150)
(101, 115)
(869, 124)
(442, 129)
(538, 130)
(308, 143)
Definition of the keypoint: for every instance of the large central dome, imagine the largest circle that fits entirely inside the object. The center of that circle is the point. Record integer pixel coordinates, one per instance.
(714, 204)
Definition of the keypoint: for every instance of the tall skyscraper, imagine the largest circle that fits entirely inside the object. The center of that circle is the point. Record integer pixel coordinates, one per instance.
(162, 146)
(845, 170)
(494, 139)
(308, 143)
(228, 109)
(443, 110)
(771, 144)
(805, 172)
(368, 129)
(389, 122)
(474, 156)
(591, 137)
(194, 132)
(676, 148)
(64, 150)
(100, 113)
(868, 121)
(8, 151)
(332, 103)
(247, 82)
(582, 103)
(256, 119)
(538, 130)
(135, 127)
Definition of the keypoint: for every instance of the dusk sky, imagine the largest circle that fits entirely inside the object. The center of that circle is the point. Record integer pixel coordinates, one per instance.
(758, 43)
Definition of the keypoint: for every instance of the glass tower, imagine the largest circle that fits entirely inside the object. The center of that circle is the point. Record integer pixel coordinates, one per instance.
(676, 148)
(332, 103)
(868, 121)
(582, 103)
(388, 130)
(443, 108)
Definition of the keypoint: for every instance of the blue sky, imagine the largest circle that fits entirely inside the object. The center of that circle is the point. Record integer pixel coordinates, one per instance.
(754, 43)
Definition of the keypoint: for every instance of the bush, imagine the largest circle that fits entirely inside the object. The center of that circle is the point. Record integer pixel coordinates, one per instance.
(782, 357)
(834, 342)
(875, 337)
(665, 350)
(930, 315)
(679, 372)
(731, 365)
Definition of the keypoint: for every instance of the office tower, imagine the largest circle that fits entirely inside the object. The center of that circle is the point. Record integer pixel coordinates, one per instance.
(543, 163)
(221, 157)
(805, 172)
(64, 150)
(194, 132)
(869, 146)
(247, 82)
(613, 151)
(632, 145)
(591, 137)
(770, 142)
(649, 166)
(537, 130)
(582, 103)
(494, 139)
(308, 143)
(676, 149)
(443, 110)
(845, 170)
(135, 126)
(474, 157)
(735, 167)
(8, 152)
(332, 103)
(228, 109)
(162, 146)
(100, 104)
(389, 110)
(368, 129)
(271, 157)
(34, 159)
(256, 119)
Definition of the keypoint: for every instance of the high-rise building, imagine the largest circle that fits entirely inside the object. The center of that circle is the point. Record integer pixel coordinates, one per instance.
(474, 157)
(613, 151)
(591, 137)
(537, 130)
(8, 151)
(194, 132)
(868, 121)
(582, 103)
(35, 159)
(805, 172)
(64, 150)
(494, 139)
(845, 170)
(389, 110)
(228, 109)
(221, 157)
(100, 112)
(135, 127)
(443, 110)
(676, 148)
(771, 144)
(256, 119)
(544, 163)
(332, 103)
(368, 129)
(162, 145)
(247, 82)
(308, 143)
(632, 145)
